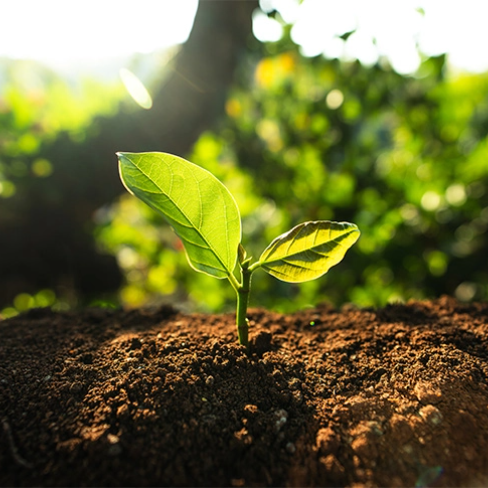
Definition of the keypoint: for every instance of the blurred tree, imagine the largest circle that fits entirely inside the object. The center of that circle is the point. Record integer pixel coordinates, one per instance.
(46, 226)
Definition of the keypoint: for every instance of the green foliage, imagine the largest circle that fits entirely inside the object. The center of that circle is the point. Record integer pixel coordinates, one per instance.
(25, 301)
(35, 106)
(38, 108)
(205, 216)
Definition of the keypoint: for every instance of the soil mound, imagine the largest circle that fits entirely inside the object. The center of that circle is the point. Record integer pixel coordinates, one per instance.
(390, 397)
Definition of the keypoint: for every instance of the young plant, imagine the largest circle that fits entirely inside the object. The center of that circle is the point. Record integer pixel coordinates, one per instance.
(205, 216)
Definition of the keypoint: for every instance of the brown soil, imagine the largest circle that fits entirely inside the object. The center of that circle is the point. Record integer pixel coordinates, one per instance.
(389, 397)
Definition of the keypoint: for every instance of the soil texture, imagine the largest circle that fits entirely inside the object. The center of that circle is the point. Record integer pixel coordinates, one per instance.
(396, 396)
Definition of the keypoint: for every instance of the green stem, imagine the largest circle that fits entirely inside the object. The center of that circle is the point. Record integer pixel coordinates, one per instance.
(233, 281)
(242, 302)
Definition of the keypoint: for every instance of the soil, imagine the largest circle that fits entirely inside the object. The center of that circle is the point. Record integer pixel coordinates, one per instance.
(396, 396)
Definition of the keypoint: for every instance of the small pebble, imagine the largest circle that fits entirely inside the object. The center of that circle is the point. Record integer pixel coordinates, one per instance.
(326, 440)
(427, 392)
(431, 414)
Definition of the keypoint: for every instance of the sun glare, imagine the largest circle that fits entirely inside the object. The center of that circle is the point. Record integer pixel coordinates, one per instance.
(355, 29)
(136, 88)
(56, 30)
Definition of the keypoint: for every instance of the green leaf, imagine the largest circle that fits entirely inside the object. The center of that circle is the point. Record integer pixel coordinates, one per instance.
(308, 250)
(196, 204)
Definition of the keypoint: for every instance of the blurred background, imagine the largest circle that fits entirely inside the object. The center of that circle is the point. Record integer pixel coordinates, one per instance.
(371, 112)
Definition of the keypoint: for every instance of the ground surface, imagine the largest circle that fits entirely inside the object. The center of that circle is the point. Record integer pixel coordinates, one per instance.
(389, 397)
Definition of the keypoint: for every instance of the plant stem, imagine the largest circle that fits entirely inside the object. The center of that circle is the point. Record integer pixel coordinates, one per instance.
(233, 281)
(242, 302)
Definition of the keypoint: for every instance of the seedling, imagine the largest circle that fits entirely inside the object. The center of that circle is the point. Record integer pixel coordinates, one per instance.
(205, 216)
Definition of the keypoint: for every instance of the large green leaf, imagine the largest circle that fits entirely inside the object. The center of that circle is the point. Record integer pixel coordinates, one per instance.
(308, 250)
(196, 204)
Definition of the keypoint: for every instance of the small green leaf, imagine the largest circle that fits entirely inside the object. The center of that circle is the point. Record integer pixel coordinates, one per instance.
(308, 250)
(196, 204)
